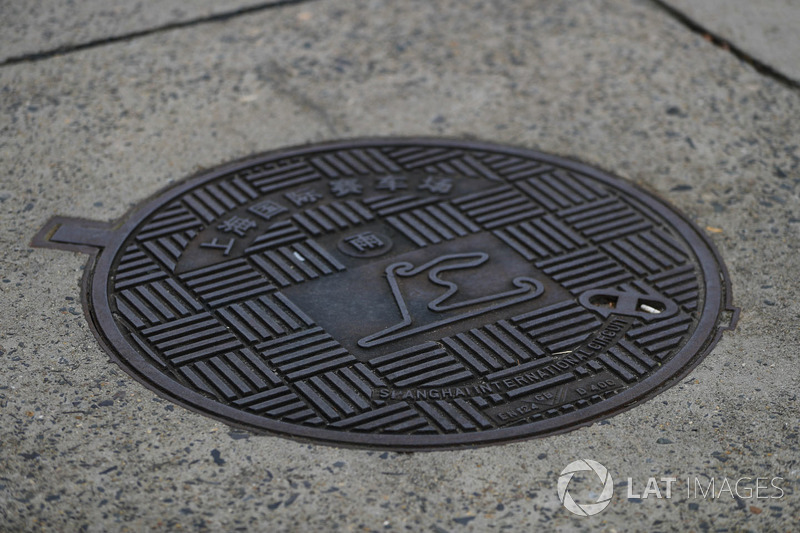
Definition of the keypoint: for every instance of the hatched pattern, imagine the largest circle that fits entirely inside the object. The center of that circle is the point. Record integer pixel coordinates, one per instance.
(155, 303)
(227, 282)
(332, 217)
(304, 354)
(497, 207)
(432, 225)
(278, 176)
(169, 249)
(584, 269)
(296, 263)
(229, 331)
(560, 189)
(214, 200)
(428, 364)
(541, 238)
(174, 219)
(136, 267)
(604, 220)
(560, 327)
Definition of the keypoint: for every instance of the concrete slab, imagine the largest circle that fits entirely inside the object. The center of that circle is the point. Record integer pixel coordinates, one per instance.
(618, 84)
(36, 26)
(766, 30)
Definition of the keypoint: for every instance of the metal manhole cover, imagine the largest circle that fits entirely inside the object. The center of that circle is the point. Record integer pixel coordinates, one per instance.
(403, 293)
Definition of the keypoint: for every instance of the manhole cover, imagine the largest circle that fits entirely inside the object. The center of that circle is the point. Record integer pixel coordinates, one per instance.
(408, 294)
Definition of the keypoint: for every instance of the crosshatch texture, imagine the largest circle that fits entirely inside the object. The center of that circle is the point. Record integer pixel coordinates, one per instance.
(406, 293)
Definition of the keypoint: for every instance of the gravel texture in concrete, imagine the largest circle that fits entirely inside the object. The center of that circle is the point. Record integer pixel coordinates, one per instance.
(615, 83)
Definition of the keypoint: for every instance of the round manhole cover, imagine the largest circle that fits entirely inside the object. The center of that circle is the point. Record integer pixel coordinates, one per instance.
(408, 294)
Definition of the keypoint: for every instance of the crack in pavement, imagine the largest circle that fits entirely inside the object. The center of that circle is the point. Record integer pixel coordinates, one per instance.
(279, 77)
(219, 17)
(759, 66)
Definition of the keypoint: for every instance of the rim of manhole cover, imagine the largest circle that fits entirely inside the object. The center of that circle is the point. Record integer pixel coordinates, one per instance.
(403, 293)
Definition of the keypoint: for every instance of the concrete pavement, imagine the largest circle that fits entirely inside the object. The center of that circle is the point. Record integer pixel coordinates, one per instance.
(33, 28)
(618, 84)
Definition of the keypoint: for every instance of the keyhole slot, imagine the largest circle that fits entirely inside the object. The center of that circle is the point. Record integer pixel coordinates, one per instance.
(604, 300)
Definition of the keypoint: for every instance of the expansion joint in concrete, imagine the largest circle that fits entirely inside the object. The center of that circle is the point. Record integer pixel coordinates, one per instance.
(759, 66)
(219, 17)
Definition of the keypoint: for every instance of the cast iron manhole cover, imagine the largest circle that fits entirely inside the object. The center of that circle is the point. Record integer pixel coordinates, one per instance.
(403, 293)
